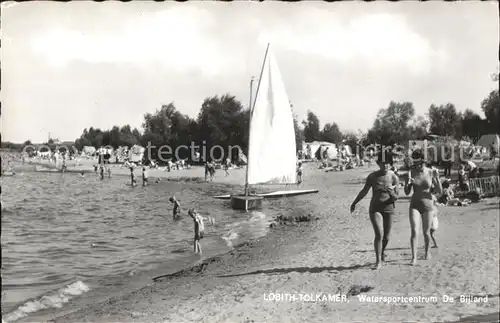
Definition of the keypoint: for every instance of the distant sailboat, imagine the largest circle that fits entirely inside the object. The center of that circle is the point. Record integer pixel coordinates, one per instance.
(271, 147)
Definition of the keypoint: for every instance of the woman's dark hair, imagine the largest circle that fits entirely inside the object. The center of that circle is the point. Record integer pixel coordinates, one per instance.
(417, 154)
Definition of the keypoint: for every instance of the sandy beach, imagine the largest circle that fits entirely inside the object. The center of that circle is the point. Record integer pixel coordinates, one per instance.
(332, 255)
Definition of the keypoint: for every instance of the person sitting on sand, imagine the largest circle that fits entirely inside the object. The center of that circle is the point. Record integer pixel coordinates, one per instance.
(385, 187)
(199, 228)
(422, 208)
(144, 176)
(177, 208)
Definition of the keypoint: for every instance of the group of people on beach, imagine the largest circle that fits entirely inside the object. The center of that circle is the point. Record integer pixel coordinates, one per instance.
(384, 183)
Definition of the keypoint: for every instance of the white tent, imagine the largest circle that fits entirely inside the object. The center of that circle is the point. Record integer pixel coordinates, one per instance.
(488, 140)
(327, 150)
(88, 150)
(316, 149)
(136, 153)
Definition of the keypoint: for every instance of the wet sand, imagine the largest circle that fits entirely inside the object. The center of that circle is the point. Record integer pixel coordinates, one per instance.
(333, 255)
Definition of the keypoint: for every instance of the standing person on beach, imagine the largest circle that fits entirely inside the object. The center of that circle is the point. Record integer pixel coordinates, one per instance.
(227, 164)
(300, 171)
(133, 181)
(448, 163)
(199, 228)
(385, 187)
(422, 207)
(207, 170)
(144, 176)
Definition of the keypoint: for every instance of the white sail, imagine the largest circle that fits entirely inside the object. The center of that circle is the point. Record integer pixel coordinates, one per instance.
(271, 151)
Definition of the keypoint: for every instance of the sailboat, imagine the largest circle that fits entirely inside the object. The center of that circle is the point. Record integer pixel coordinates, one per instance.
(271, 146)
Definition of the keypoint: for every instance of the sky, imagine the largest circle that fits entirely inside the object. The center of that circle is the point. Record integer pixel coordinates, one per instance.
(70, 66)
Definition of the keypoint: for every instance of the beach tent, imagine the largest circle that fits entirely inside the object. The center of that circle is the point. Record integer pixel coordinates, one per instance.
(488, 140)
(313, 149)
(322, 148)
(348, 150)
(88, 150)
(136, 153)
(310, 148)
(331, 152)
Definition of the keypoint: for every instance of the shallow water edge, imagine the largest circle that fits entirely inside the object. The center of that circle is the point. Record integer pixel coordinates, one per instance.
(243, 256)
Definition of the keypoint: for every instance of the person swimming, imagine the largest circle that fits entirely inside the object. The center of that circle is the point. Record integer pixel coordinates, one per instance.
(385, 189)
(177, 208)
(422, 207)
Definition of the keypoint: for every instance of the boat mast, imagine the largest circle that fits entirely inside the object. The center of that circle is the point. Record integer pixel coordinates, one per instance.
(251, 112)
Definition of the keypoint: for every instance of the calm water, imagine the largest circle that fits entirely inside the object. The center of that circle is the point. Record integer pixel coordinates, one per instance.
(70, 238)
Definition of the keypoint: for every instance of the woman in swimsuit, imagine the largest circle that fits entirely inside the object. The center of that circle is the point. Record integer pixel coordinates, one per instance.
(422, 208)
(384, 184)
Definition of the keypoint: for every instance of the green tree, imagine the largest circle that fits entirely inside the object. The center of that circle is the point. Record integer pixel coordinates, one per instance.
(391, 124)
(331, 133)
(311, 127)
(166, 127)
(417, 127)
(473, 126)
(491, 109)
(223, 121)
(445, 120)
(299, 133)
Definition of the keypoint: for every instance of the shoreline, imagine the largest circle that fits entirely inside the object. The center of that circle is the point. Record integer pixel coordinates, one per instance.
(240, 252)
(331, 255)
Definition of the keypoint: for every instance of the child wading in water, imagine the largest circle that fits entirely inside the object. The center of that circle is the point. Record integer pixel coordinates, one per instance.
(177, 208)
(199, 228)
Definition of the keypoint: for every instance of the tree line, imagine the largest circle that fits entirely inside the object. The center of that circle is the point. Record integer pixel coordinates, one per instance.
(222, 120)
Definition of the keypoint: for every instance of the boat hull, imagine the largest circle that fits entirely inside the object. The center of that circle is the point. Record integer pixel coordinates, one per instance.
(246, 203)
(289, 193)
(275, 194)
